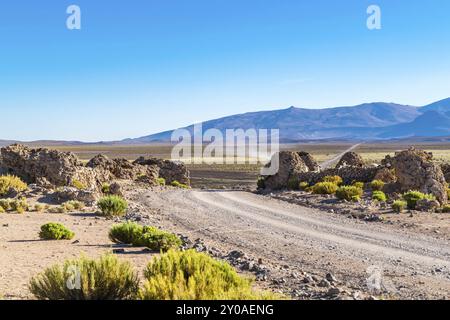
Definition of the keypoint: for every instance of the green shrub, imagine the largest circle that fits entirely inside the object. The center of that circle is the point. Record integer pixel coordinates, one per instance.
(324, 188)
(39, 207)
(5, 204)
(55, 231)
(411, 198)
(73, 205)
(2, 210)
(358, 184)
(157, 240)
(19, 205)
(446, 208)
(144, 236)
(10, 182)
(377, 185)
(379, 196)
(78, 184)
(189, 275)
(448, 193)
(84, 279)
(112, 206)
(337, 180)
(161, 181)
(177, 184)
(293, 183)
(303, 185)
(106, 188)
(261, 183)
(349, 193)
(125, 233)
(399, 206)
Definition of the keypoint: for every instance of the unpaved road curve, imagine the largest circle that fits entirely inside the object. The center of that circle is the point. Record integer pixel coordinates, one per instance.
(305, 239)
(335, 159)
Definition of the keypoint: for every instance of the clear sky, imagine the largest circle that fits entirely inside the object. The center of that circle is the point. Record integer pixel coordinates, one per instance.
(142, 66)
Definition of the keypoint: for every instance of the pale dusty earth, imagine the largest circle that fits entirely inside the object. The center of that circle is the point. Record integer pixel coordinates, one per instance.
(379, 259)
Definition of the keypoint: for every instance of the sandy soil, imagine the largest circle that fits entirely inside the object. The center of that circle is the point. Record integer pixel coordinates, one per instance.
(23, 255)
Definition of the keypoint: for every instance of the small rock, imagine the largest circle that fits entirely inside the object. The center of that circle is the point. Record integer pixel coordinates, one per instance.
(333, 291)
(324, 283)
(330, 277)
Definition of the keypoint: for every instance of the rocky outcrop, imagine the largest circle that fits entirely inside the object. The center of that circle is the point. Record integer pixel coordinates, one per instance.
(49, 168)
(386, 175)
(290, 165)
(310, 162)
(169, 170)
(348, 175)
(54, 169)
(64, 194)
(350, 159)
(446, 171)
(415, 170)
(124, 169)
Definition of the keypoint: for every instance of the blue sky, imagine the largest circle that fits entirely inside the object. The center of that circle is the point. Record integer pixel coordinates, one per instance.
(143, 66)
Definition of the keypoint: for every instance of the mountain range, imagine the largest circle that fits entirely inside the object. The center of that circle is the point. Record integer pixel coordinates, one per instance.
(370, 121)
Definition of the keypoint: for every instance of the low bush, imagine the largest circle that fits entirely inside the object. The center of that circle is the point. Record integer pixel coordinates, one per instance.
(161, 181)
(261, 183)
(112, 206)
(189, 275)
(349, 193)
(58, 209)
(399, 206)
(411, 198)
(293, 183)
(446, 208)
(55, 231)
(73, 205)
(157, 240)
(144, 236)
(125, 233)
(106, 188)
(324, 188)
(448, 193)
(5, 204)
(377, 185)
(379, 196)
(2, 210)
(10, 182)
(177, 184)
(19, 205)
(358, 184)
(303, 185)
(38, 207)
(84, 279)
(337, 180)
(78, 184)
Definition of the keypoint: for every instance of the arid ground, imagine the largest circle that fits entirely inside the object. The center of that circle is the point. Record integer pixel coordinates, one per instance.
(301, 250)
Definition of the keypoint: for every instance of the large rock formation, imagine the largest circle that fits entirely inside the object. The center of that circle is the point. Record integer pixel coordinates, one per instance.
(350, 159)
(52, 168)
(169, 170)
(290, 165)
(310, 162)
(446, 171)
(49, 167)
(122, 168)
(415, 170)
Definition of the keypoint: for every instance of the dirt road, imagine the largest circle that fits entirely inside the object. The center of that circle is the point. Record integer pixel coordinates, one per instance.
(327, 164)
(409, 265)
